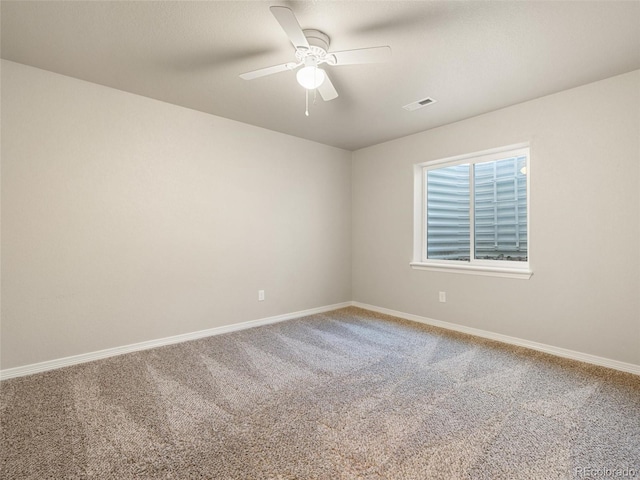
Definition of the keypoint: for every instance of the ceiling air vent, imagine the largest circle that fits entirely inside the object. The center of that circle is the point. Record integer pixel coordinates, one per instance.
(419, 104)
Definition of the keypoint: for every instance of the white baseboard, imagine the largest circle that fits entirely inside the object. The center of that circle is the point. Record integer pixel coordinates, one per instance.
(541, 347)
(136, 347)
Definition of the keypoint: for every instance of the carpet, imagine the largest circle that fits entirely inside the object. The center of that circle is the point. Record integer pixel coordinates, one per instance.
(348, 394)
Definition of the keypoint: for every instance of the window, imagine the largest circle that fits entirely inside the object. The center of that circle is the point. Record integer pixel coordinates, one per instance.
(472, 213)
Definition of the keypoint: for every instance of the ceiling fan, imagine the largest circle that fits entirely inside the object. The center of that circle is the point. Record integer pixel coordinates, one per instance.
(312, 50)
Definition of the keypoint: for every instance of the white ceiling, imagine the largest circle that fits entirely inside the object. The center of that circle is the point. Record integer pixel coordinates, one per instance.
(471, 56)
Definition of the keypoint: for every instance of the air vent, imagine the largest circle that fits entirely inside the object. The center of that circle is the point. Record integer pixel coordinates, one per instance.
(419, 104)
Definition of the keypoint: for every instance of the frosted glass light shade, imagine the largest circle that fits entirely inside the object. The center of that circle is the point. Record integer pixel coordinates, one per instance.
(310, 77)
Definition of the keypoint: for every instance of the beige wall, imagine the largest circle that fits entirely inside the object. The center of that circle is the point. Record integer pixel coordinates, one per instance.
(585, 214)
(126, 219)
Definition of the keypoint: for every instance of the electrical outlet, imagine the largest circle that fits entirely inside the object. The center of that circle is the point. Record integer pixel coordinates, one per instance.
(442, 296)
(260, 295)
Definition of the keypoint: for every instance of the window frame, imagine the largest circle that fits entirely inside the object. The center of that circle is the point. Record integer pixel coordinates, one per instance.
(499, 268)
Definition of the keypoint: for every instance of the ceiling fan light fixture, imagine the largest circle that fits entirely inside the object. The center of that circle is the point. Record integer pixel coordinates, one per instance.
(310, 77)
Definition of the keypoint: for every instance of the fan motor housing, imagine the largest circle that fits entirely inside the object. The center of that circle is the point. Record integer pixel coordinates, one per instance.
(318, 44)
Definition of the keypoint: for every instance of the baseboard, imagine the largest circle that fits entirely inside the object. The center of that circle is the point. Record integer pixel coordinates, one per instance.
(541, 347)
(136, 347)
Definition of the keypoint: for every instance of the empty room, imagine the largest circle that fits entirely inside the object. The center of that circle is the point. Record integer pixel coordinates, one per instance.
(320, 240)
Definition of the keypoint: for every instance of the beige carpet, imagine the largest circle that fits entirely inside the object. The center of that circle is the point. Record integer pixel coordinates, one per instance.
(343, 395)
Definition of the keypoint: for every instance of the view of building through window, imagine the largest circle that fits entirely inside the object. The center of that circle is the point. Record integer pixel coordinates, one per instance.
(448, 213)
(500, 199)
(477, 210)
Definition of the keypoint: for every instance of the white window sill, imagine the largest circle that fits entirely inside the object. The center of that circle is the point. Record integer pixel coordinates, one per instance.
(522, 274)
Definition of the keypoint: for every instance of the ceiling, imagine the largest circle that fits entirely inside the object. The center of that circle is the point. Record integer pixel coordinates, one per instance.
(471, 56)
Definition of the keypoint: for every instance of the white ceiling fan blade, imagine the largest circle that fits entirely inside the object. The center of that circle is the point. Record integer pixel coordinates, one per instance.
(327, 90)
(268, 71)
(290, 25)
(362, 55)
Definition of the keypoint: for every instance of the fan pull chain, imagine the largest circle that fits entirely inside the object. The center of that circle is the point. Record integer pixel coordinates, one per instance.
(315, 82)
(306, 102)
